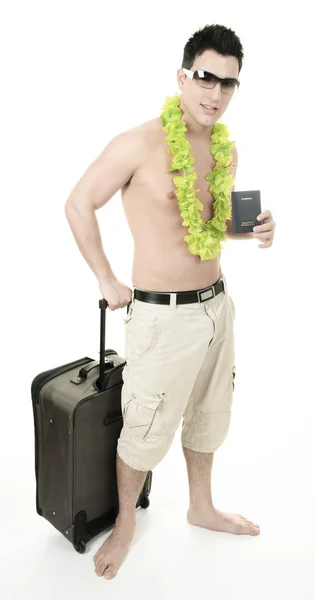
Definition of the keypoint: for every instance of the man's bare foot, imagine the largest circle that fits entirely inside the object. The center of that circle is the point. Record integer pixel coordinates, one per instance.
(211, 518)
(111, 554)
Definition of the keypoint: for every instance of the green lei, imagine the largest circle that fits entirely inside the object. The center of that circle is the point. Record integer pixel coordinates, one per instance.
(204, 238)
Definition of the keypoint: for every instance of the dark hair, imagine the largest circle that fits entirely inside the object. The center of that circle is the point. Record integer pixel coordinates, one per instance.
(213, 37)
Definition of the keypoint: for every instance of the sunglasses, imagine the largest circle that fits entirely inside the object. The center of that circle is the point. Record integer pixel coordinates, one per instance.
(208, 80)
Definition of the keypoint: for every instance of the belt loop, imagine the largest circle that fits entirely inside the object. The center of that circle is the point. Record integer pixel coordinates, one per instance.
(173, 305)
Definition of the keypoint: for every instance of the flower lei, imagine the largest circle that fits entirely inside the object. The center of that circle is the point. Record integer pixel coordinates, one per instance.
(204, 238)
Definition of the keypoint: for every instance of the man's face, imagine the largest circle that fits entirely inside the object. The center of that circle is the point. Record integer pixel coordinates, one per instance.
(194, 96)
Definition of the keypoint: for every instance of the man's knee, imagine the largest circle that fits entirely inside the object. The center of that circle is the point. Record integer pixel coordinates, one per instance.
(143, 455)
(206, 432)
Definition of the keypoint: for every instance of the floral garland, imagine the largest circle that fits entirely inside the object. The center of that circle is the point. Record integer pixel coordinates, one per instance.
(204, 238)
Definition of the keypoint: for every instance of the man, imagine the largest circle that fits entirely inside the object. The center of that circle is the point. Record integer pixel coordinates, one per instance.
(180, 317)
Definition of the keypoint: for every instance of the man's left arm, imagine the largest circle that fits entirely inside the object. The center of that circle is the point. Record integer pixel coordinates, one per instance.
(264, 232)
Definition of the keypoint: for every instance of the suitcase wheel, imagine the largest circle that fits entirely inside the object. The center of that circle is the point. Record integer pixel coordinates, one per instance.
(81, 547)
(145, 502)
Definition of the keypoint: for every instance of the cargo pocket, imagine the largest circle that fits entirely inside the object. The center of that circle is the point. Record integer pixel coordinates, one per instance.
(233, 378)
(140, 417)
(140, 407)
(231, 389)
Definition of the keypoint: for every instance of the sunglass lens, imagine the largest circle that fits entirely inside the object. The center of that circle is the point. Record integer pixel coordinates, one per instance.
(207, 80)
(229, 87)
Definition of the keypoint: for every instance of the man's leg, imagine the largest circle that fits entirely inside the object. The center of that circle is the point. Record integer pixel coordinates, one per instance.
(111, 554)
(164, 340)
(201, 510)
(207, 419)
(134, 457)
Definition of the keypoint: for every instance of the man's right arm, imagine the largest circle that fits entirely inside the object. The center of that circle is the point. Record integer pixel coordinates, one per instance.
(110, 171)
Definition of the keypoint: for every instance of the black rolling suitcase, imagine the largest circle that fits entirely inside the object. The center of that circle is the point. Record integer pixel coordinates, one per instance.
(77, 420)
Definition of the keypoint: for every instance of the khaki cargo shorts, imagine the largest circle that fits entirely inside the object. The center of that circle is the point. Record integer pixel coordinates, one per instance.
(180, 366)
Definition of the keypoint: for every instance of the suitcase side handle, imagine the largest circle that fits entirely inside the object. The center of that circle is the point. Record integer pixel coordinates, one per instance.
(85, 371)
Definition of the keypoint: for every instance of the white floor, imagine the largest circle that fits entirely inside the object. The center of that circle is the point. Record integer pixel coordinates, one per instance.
(266, 482)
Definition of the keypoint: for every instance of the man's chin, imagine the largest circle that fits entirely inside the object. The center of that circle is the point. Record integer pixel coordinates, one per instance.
(208, 120)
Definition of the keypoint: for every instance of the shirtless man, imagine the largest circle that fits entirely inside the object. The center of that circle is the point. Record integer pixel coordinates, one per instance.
(180, 355)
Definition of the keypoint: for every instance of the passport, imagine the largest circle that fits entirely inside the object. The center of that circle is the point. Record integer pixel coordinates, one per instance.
(246, 206)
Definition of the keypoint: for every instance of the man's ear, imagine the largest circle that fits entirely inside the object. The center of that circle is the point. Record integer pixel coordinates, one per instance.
(181, 78)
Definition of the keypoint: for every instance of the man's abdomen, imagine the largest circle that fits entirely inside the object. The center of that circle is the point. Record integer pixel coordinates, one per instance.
(167, 271)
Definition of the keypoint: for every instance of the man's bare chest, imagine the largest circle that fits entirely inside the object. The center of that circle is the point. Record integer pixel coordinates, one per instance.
(154, 183)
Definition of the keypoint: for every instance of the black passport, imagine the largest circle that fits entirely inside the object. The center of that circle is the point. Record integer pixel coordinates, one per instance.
(246, 206)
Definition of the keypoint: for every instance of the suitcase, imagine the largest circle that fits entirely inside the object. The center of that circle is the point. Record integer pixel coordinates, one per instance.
(77, 422)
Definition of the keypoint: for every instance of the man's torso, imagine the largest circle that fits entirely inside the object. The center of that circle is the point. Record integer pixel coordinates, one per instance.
(162, 261)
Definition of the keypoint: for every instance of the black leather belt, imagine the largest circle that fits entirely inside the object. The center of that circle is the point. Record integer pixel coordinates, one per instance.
(181, 297)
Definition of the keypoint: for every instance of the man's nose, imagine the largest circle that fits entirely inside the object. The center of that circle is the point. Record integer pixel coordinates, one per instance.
(216, 91)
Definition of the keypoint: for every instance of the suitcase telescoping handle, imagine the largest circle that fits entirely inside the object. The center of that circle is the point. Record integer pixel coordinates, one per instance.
(86, 370)
(103, 304)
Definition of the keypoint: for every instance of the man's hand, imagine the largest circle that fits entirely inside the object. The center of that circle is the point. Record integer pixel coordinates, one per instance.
(264, 233)
(116, 293)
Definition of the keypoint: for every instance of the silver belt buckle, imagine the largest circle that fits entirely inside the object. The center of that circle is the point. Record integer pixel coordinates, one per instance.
(206, 295)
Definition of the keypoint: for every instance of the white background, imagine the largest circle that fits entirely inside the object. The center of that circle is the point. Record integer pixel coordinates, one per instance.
(74, 74)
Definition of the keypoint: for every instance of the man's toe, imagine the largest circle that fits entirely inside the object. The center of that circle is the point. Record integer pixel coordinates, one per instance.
(110, 573)
(100, 568)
